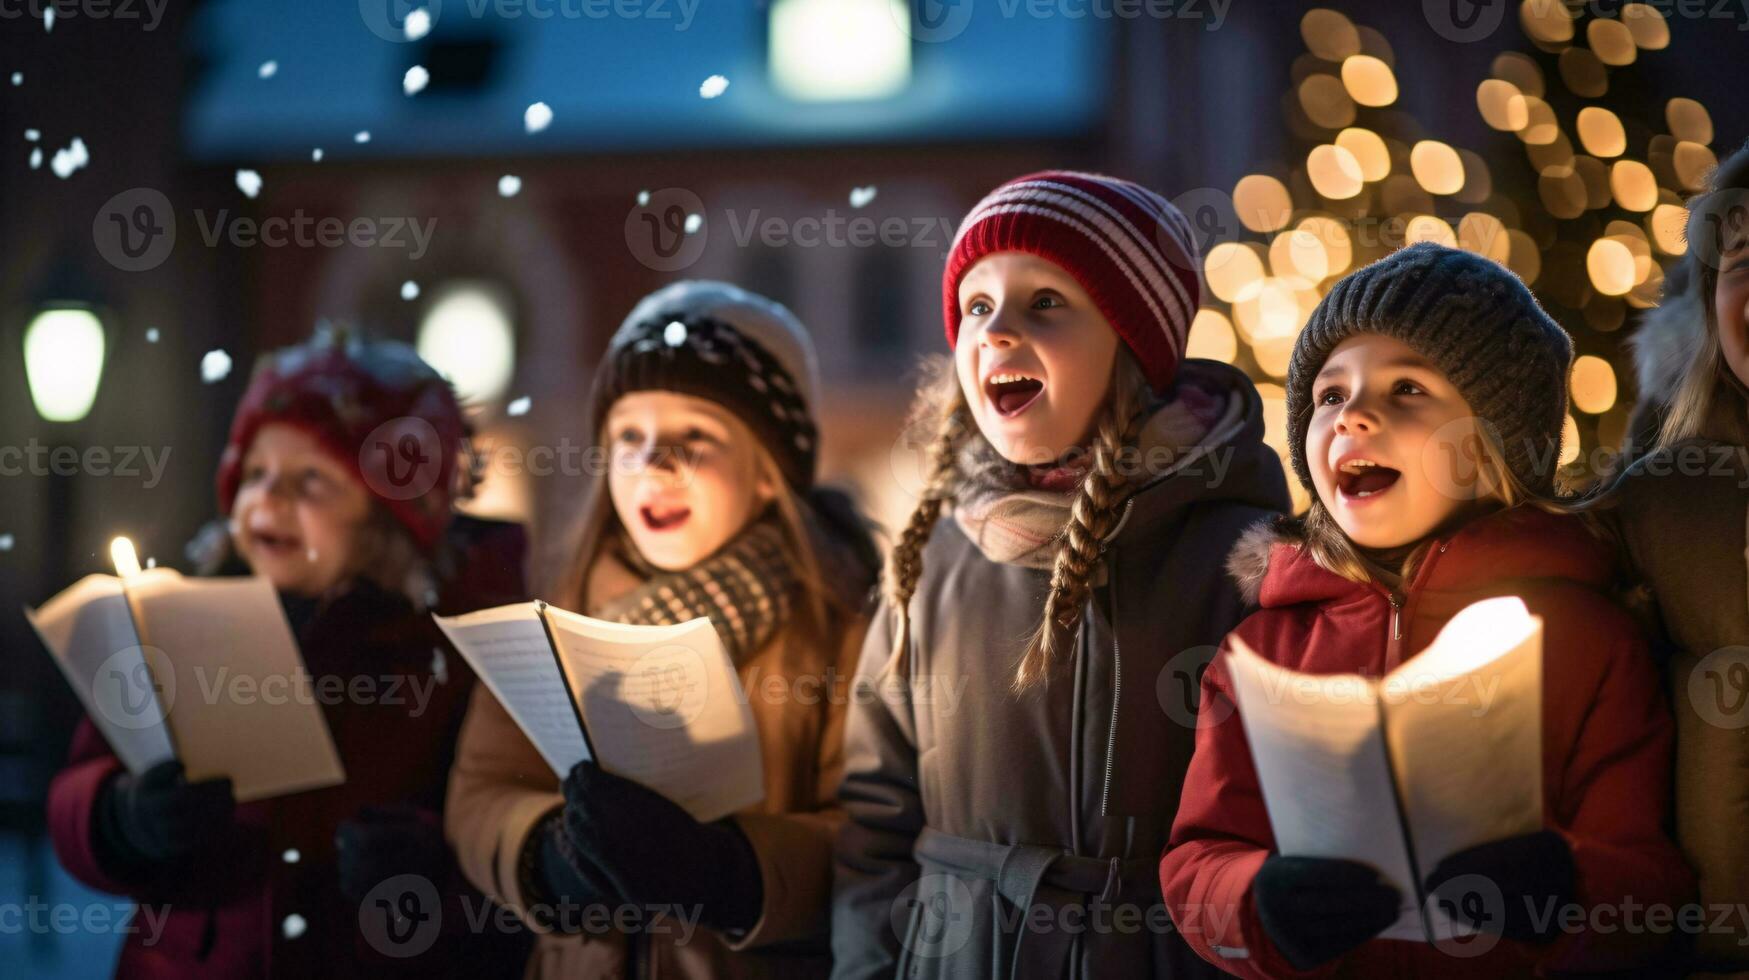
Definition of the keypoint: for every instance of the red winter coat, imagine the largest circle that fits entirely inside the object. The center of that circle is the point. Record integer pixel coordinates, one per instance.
(1607, 741)
(226, 913)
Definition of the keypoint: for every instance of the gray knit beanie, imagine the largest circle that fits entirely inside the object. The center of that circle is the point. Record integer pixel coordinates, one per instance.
(1476, 322)
(717, 341)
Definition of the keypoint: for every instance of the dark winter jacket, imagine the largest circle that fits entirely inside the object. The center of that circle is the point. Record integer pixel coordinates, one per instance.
(262, 898)
(1682, 513)
(1606, 741)
(1065, 793)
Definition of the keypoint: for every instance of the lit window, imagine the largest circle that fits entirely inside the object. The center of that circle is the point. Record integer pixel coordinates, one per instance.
(840, 50)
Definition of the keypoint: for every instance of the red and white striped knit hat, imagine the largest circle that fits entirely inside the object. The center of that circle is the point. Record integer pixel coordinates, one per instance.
(1126, 245)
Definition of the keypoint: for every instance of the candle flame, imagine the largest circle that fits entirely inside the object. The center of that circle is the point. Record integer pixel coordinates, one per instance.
(127, 562)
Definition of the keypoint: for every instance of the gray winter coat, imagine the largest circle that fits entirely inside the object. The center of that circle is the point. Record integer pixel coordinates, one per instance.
(996, 835)
(1682, 513)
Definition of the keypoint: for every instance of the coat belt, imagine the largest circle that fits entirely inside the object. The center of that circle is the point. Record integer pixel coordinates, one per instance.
(1029, 874)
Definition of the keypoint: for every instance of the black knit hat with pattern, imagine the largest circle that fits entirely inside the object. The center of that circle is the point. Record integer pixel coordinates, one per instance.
(1477, 322)
(719, 342)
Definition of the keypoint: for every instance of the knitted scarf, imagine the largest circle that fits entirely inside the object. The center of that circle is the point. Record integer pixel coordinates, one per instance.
(1015, 513)
(746, 588)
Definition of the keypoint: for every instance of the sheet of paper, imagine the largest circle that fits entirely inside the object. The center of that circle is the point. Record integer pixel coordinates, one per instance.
(90, 631)
(664, 706)
(238, 700)
(1317, 743)
(1464, 724)
(509, 650)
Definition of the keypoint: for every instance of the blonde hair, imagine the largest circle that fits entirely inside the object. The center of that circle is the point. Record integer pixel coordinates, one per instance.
(600, 525)
(1093, 511)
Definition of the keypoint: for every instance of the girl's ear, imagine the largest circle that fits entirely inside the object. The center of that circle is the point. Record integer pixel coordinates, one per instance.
(765, 491)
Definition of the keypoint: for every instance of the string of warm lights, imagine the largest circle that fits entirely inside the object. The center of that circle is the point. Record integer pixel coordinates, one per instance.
(1588, 227)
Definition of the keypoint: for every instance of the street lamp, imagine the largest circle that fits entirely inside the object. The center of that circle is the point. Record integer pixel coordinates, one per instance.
(63, 361)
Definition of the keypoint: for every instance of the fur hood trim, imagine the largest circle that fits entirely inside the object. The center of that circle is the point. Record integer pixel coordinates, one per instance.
(1670, 335)
(1248, 562)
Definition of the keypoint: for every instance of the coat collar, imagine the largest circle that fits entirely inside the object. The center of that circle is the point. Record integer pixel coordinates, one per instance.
(1273, 569)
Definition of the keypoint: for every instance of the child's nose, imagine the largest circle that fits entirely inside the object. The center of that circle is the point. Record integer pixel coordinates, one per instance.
(998, 332)
(1355, 417)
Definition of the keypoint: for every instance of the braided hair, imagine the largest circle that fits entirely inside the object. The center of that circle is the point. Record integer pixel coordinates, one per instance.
(1093, 512)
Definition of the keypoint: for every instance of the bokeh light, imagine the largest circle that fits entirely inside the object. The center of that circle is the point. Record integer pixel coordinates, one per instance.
(1593, 385)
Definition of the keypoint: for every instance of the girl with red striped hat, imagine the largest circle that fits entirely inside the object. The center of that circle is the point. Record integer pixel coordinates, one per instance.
(1026, 694)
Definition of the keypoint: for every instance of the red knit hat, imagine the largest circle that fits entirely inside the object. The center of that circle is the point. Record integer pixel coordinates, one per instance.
(1126, 245)
(378, 409)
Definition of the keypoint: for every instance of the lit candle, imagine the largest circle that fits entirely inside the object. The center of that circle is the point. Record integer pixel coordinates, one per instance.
(127, 563)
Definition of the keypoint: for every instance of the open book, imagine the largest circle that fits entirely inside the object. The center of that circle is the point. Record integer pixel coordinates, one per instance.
(660, 705)
(204, 670)
(1443, 753)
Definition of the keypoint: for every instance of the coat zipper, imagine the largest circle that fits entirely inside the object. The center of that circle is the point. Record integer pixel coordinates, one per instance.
(1116, 685)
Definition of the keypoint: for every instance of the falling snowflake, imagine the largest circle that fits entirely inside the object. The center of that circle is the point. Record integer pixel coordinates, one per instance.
(48, 18)
(362, 136)
(268, 69)
(316, 155)
(519, 406)
(151, 335)
(5, 542)
(33, 135)
(417, 24)
(509, 185)
(215, 366)
(36, 158)
(694, 222)
(860, 196)
(537, 117)
(68, 160)
(409, 290)
(643, 199)
(713, 86)
(249, 182)
(415, 80)
(17, 78)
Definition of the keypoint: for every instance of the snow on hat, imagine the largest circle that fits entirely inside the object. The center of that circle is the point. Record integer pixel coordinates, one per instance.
(1128, 247)
(722, 343)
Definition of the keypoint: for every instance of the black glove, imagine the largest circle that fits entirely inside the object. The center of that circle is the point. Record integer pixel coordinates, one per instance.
(1316, 909)
(158, 817)
(1533, 872)
(652, 852)
(560, 885)
(379, 843)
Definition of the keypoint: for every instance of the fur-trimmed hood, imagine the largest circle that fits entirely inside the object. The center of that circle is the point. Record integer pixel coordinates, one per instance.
(1271, 566)
(1670, 335)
